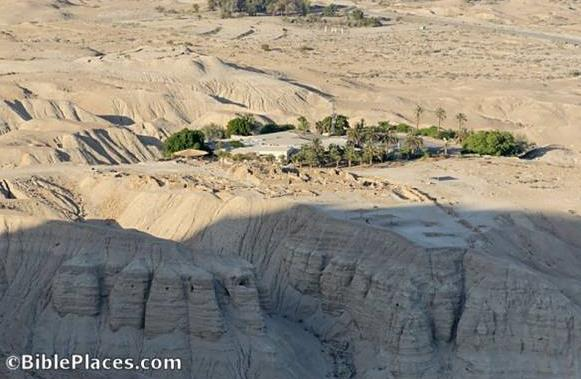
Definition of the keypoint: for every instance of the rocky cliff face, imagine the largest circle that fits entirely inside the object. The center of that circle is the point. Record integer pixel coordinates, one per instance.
(261, 291)
(68, 288)
(502, 306)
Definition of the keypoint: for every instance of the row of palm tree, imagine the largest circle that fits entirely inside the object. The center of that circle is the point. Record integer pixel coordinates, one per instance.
(441, 115)
(366, 148)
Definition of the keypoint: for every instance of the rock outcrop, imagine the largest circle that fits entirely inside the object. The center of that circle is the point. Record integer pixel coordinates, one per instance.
(76, 289)
(250, 282)
(128, 296)
(89, 289)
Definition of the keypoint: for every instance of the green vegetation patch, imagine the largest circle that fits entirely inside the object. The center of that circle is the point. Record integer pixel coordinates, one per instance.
(274, 128)
(241, 126)
(182, 140)
(496, 142)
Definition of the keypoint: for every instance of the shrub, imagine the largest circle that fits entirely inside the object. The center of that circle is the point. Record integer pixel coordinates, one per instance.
(241, 126)
(244, 157)
(274, 128)
(495, 142)
(356, 18)
(330, 10)
(213, 132)
(432, 131)
(235, 144)
(357, 14)
(184, 139)
(448, 134)
(402, 128)
(305, 48)
(385, 126)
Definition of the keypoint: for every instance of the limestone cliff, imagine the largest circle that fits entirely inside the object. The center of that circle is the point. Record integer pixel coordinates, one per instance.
(256, 289)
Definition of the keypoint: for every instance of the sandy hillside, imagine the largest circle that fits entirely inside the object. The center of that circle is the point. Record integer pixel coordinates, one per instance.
(162, 66)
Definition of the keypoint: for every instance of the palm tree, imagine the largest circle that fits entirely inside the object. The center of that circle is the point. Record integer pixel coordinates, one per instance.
(303, 124)
(318, 150)
(413, 144)
(355, 135)
(369, 153)
(441, 115)
(335, 154)
(391, 139)
(462, 119)
(317, 144)
(351, 154)
(419, 112)
(388, 139)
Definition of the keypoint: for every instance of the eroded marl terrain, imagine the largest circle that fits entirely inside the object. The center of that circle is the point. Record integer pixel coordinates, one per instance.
(249, 269)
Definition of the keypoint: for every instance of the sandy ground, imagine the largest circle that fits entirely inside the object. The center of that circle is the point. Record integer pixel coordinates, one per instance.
(100, 83)
(434, 203)
(157, 68)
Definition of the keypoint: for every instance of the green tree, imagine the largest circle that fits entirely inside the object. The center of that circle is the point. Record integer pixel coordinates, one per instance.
(319, 151)
(312, 154)
(494, 142)
(335, 154)
(388, 139)
(441, 115)
(309, 156)
(356, 134)
(351, 154)
(369, 153)
(184, 139)
(241, 126)
(303, 124)
(413, 145)
(462, 134)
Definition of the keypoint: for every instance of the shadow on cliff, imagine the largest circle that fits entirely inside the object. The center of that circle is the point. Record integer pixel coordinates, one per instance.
(420, 291)
(370, 274)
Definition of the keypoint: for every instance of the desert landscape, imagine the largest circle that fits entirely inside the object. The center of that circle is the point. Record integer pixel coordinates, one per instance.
(296, 192)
